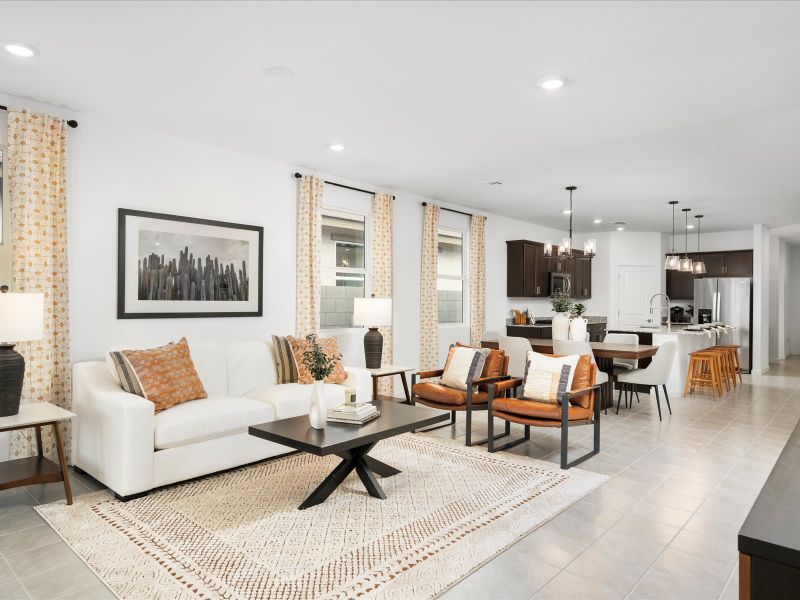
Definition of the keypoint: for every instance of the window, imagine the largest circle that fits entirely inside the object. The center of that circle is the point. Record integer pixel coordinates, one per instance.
(343, 269)
(450, 285)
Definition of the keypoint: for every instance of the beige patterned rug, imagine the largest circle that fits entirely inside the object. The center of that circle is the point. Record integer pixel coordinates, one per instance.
(239, 535)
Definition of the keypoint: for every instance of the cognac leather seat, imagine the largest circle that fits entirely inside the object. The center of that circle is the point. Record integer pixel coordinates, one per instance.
(522, 409)
(438, 395)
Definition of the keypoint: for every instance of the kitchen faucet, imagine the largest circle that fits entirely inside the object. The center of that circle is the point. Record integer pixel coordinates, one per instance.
(661, 308)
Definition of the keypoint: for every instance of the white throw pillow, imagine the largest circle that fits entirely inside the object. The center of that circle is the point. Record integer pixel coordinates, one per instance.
(463, 364)
(547, 377)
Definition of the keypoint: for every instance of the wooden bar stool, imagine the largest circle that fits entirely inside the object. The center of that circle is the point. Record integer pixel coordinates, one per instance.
(704, 372)
(737, 367)
(727, 372)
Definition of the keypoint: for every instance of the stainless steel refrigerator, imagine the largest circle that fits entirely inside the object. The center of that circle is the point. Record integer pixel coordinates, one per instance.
(730, 301)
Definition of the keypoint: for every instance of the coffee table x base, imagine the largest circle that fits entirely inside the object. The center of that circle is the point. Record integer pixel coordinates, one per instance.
(365, 466)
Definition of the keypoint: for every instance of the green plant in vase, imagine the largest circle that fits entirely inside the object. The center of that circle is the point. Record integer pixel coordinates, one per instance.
(562, 306)
(320, 365)
(561, 302)
(578, 310)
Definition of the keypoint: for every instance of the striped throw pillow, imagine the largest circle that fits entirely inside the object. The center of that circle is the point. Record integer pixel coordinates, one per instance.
(463, 365)
(284, 360)
(547, 377)
(166, 375)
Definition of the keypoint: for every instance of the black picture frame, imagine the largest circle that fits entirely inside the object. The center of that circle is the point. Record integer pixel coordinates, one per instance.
(123, 313)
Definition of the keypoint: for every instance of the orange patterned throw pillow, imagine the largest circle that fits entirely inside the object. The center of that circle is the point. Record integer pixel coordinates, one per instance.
(166, 376)
(330, 347)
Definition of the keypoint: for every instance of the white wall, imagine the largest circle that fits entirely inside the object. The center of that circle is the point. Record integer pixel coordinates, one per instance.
(715, 241)
(793, 301)
(761, 303)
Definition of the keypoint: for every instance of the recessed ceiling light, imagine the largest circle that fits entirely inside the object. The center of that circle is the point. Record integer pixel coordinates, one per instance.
(552, 83)
(597, 221)
(620, 228)
(336, 147)
(278, 72)
(690, 227)
(20, 49)
(566, 211)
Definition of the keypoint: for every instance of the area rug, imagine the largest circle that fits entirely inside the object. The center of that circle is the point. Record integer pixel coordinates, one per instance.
(239, 535)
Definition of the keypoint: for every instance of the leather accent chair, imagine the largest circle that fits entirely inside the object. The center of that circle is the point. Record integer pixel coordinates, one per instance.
(475, 398)
(576, 407)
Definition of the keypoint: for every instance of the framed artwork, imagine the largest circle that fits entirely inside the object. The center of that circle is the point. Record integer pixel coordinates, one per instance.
(171, 266)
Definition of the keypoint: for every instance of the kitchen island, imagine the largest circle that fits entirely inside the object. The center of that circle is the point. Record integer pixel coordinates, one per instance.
(688, 341)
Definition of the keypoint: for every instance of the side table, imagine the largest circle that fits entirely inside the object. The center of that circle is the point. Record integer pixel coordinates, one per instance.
(36, 469)
(389, 371)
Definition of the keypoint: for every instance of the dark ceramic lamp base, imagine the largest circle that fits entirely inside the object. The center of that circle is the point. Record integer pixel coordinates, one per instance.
(12, 373)
(373, 348)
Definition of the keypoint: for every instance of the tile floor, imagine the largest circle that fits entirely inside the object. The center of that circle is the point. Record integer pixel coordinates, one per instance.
(663, 526)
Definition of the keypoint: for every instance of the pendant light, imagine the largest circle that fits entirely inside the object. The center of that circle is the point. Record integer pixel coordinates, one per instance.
(673, 260)
(565, 249)
(699, 266)
(686, 262)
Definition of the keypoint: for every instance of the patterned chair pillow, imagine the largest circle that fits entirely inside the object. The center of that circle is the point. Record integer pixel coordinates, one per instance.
(165, 376)
(463, 364)
(547, 377)
(284, 360)
(330, 347)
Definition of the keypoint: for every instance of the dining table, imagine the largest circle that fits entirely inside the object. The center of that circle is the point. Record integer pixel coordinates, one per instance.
(604, 355)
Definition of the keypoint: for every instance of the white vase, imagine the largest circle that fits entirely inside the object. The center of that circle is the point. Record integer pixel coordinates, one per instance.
(318, 413)
(561, 326)
(577, 329)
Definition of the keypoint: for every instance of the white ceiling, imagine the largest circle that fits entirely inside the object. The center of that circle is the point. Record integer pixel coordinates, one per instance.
(697, 102)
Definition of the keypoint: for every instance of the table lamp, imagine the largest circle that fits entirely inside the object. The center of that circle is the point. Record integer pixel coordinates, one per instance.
(372, 313)
(21, 320)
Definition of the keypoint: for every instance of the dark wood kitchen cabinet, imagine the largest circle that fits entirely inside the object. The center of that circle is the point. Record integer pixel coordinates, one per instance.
(526, 269)
(734, 263)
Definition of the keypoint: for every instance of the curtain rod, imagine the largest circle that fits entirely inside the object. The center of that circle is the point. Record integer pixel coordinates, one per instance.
(452, 210)
(341, 185)
(72, 123)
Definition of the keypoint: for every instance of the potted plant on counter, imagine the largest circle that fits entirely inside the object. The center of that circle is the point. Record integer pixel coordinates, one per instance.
(578, 326)
(320, 365)
(562, 306)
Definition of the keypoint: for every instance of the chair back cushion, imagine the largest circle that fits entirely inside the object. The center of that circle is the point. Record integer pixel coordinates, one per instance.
(548, 377)
(166, 376)
(496, 364)
(251, 366)
(463, 364)
(585, 376)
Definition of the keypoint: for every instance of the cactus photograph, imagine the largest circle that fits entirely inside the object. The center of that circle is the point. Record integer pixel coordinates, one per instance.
(176, 266)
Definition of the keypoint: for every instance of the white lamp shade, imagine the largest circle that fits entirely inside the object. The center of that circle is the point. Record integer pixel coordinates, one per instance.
(21, 317)
(372, 312)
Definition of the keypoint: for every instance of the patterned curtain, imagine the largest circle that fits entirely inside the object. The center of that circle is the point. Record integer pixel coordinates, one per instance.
(381, 267)
(37, 185)
(477, 273)
(309, 243)
(429, 302)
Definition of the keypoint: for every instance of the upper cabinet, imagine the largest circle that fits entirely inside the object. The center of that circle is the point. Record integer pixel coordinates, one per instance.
(735, 263)
(528, 271)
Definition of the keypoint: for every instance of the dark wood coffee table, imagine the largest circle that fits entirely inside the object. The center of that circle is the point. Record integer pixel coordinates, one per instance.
(350, 442)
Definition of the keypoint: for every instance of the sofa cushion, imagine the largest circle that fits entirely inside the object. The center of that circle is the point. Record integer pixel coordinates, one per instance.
(208, 359)
(294, 399)
(251, 366)
(213, 417)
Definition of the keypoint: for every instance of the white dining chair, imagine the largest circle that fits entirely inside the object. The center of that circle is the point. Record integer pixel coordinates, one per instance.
(491, 335)
(516, 348)
(623, 338)
(653, 375)
(583, 348)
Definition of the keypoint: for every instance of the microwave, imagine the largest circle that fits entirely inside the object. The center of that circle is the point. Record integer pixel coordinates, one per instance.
(560, 282)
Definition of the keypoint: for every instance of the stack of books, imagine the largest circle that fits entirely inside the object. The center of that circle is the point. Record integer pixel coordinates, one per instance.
(355, 414)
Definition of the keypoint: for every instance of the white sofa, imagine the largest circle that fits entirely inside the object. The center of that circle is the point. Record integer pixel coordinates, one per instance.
(119, 440)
